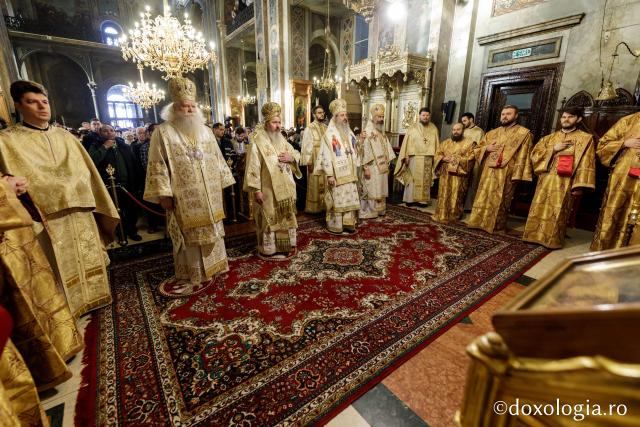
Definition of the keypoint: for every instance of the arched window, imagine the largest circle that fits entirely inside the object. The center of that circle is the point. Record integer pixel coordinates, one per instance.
(111, 33)
(122, 112)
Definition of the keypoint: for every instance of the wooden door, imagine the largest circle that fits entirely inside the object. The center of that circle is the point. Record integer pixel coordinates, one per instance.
(534, 90)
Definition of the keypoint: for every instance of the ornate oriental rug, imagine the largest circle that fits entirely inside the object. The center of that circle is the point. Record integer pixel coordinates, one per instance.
(287, 342)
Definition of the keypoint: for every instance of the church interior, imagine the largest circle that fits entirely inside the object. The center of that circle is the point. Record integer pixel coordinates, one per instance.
(320, 212)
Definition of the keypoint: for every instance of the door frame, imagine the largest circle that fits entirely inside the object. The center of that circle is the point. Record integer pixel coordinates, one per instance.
(551, 74)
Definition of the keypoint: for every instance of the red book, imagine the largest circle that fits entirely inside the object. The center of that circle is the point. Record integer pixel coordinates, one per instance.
(565, 165)
(634, 172)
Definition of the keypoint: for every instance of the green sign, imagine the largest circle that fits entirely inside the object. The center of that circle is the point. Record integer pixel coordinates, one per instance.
(521, 53)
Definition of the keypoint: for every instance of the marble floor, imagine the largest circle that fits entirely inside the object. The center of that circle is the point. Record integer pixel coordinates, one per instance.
(424, 391)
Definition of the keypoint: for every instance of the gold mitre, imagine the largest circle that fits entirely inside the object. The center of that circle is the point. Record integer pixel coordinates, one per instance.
(337, 106)
(182, 89)
(270, 111)
(376, 109)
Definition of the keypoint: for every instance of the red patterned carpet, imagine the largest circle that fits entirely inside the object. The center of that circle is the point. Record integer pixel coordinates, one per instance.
(287, 342)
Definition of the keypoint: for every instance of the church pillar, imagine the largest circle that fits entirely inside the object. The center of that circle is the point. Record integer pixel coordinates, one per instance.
(278, 28)
(223, 103)
(214, 87)
(8, 73)
(261, 55)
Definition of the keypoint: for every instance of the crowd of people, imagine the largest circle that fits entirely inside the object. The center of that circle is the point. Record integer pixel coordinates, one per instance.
(57, 193)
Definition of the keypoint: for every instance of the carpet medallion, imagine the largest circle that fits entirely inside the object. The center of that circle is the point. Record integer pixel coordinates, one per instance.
(287, 342)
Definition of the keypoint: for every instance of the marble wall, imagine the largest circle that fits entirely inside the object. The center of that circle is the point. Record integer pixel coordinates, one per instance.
(580, 48)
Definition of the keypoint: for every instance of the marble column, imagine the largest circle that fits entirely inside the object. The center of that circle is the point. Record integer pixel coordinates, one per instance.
(261, 33)
(223, 103)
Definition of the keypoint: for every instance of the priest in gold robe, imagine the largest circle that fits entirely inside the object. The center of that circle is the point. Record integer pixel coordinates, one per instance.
(44, 335)
(453, 163)
(311, 143)
(339, 161)
(619, 149)
(565, 165)
(45, 331)
(186, 173)
(271, 165)
(474, 133)
(77, 213)
(414, 167)
(503, 155)
(376, 155)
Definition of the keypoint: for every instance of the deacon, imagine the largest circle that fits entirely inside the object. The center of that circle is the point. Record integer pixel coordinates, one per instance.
(474, 133)
(504, 157)
(377, 153)
(44, 330)
(619, 149)
(339, 162)
(453, 163)
(185, 175)
(78, 215)
(416, 156)
(271, 165)
(311, 142)
(565, 164)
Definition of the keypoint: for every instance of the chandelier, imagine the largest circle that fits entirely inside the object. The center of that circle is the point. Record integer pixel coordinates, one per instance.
(326, 83)
(142, 94)
(366, 8)
(163, 43)
(244, 98)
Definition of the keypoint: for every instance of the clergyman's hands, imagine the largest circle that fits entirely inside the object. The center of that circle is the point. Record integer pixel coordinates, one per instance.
(285, 157)
(108, 143)
(18, 184)
(632, 142)
(166, 203)
(259, 198)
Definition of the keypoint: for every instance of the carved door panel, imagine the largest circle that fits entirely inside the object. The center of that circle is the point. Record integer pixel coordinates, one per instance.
(534, 90)
(526, 97)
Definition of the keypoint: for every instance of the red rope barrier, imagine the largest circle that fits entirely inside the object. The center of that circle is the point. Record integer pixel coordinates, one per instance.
(140, 203)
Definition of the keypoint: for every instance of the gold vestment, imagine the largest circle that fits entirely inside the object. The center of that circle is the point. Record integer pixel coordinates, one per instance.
(316, 183)
(78, 214)
(339, 159)
(193, 172)
(420, 145)
(623, 191)
(475, 134)
(552, 202)
(274, 179)
(497, 183)
(453, 178)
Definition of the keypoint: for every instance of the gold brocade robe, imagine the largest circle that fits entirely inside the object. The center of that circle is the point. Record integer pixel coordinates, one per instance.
(552, 202)
(497, 184)
(78, 214)
(316, 183)
(475, 134)
(193, 172)
(274, 179)
(420, 145)
(453, 178)
(19, 400)
(623, 191)
(377, 154)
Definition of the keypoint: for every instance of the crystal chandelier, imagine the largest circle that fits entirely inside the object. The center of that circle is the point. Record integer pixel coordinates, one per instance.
(142, 94)
(366, 8)
(326, 83)
(244, 98)
(163, 43)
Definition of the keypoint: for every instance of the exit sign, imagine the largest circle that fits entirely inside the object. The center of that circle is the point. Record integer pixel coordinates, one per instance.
(521, 53)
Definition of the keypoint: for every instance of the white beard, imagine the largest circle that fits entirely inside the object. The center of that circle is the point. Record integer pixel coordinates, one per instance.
(379, 127)
(274, 137)
(190, 125)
